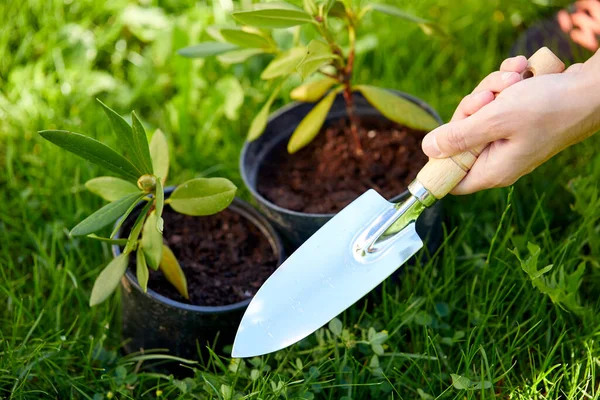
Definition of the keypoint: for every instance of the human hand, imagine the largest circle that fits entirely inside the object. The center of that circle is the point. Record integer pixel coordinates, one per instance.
(527, 123)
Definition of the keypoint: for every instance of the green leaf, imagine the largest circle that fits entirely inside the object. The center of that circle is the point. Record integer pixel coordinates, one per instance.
(318, 54)
(398, 109)
(273, 18)
(462, 383)
(428, 27)
(106, 215)
(111, 188)
(93, 151)
(133, 140)
(310, 6)
(160, 203)
(379, 337)
(119, 242)
(141, 271)
(311, 125)
(239, 56)
(206, 49)
(336, 9)
(335, 326)
(159, 152)
(284, 64)
(244, 38)
(141, 143)
(377, 349)
(203, 196)
(152, 241)
(132, 240)
(109, 278)
(125, 215)
(396, 12)
(313, 91)
(259, 123)
(172, 270)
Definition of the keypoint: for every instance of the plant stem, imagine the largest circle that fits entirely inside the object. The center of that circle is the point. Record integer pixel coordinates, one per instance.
(344, 73)
(348, 96)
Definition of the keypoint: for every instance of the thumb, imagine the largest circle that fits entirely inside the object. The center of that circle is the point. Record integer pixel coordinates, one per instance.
(455, 137)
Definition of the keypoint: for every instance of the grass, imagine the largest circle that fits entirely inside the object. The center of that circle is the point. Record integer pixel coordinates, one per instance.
(473, 322)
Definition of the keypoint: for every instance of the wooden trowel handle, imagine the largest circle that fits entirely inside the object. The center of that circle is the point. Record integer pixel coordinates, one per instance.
(440, 176)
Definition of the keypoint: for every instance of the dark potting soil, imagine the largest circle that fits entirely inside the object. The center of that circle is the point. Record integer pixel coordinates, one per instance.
(225, 258)
(327, 175)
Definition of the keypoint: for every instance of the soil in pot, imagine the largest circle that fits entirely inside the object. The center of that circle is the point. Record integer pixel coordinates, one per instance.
(327, 175)
(225, 258)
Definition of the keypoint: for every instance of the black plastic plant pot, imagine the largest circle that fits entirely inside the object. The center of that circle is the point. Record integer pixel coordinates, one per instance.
(153, 321)
(295, 226)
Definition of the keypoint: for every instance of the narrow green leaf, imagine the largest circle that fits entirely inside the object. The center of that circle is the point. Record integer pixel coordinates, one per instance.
(310, 6)
(284, 64)
(160, 203)
(111, 188)
(203, 196)
(109, 279)
(243, 38)
(119, 242)
(259, 123)
(318, 54)
(273, 18)
(396, 12)
(132, 240)
(135, 142)
(239, 56)
(141, 143)
(93, 151)
(398, 109)
(159, 153)
(125, 215)
(311, 125)
(172, 270)
(141, 271)
(428, 27)
(106, 215)
(275, 5)
(313, 91)
(152, 241)
(206, 49)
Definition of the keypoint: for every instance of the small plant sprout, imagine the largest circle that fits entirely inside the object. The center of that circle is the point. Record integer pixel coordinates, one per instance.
(140, 178)
(324, 55)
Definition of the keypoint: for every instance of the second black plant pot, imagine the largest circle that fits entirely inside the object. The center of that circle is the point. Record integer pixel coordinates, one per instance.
(295, 226)
(153, 321)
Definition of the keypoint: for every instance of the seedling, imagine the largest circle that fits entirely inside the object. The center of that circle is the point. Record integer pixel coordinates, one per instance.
(141, 178)
(324, 55)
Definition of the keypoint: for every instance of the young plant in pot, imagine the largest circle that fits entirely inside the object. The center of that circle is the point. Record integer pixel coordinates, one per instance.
(310, 159)
(198, 252)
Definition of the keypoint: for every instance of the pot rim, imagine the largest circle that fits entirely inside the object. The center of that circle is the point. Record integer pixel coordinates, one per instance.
(293, 105)
(240, 207)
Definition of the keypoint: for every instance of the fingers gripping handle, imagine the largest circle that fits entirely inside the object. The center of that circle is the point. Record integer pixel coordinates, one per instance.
(440, 176)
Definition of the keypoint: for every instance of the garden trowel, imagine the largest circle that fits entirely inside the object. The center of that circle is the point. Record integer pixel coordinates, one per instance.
(353, 253)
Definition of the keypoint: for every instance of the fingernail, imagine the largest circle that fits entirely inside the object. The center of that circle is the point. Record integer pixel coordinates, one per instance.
(430, 146)
(507, 75)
